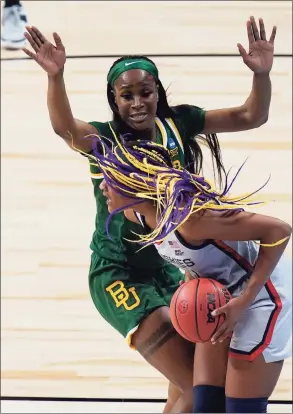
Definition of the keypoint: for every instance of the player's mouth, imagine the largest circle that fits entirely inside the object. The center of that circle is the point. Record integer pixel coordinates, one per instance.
(138, 118)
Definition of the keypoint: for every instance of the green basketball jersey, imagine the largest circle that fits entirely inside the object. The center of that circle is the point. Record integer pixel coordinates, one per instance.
(188, 122)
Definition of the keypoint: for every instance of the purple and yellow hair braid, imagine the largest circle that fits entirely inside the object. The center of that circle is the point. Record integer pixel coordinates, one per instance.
(142, 170)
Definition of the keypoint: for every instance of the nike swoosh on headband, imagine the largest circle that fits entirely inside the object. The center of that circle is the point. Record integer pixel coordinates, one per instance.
(132, 63)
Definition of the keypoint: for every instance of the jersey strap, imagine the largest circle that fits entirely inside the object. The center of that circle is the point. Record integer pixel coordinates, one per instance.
(172, 140)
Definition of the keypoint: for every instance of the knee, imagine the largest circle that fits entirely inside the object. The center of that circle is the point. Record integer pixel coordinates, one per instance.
(209, 399)
(246, 405)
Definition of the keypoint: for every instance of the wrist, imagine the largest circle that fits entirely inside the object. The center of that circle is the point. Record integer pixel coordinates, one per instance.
(261, 75)
(249, 294)
(56, 76)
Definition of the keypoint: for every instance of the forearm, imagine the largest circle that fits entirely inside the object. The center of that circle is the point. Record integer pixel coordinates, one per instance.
(257, 105)
(59, 108)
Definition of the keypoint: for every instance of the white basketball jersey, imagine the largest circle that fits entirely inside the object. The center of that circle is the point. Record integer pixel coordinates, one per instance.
(229, 262)
(266, 326)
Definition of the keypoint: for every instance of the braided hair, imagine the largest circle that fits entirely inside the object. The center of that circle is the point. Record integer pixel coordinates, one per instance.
(142, 170)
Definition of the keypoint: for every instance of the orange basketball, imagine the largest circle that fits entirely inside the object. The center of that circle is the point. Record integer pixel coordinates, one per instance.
(191, 307)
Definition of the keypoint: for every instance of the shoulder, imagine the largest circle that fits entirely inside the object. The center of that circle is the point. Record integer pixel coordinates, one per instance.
(102, 127)
(189, 119)
(186, 110)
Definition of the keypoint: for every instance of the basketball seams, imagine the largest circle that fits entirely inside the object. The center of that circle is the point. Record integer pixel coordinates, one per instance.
(195, 310)
(220, 304)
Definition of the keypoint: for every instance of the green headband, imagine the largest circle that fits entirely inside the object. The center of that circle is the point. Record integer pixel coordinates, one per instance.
(129, 64)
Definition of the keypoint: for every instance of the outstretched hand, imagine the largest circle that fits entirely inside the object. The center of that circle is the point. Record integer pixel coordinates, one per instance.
(51, 58)
(261, 51)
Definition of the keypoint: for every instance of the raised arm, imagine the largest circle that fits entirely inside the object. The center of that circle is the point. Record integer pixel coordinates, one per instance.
(254, 111)
(52, 59)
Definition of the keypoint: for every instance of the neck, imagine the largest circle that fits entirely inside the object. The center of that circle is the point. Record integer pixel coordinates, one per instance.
(147, 134)
(149, 211)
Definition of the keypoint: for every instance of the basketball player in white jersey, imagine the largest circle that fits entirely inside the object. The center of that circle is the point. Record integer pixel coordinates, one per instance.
(207, 233)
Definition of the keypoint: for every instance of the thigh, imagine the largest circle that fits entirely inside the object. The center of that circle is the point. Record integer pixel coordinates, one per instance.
(258, 347)
(210, 363)
(264, 329)
(122, 299)
(252, 379)
(159, 343)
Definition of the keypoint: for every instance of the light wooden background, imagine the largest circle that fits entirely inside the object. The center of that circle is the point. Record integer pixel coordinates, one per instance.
(54, 343)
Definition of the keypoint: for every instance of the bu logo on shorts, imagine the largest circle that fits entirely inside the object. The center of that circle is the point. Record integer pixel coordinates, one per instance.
(122, 296)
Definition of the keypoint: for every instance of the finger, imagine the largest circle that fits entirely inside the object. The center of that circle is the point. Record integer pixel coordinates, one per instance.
(32, 42)
(226, 334)
(250, 32)
(34, 36)
(242, 51)
(58, 41)
(254, 28)
(273, 35)
(262, 29)
(218, 334)
(29, 53)
(219, 311)
(39, 34)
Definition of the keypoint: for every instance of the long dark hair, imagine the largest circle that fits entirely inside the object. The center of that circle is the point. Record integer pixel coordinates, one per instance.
(192, 150)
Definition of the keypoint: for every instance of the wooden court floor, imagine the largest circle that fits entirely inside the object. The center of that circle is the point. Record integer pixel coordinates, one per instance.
(54, 343)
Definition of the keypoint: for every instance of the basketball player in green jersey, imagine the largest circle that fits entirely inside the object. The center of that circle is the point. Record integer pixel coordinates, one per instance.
(132, 291)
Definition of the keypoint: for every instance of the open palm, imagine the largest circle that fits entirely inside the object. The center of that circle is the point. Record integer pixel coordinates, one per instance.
(261, 51)
(51, 58)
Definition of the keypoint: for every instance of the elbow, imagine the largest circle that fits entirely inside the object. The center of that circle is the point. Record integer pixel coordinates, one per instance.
(56, 131)
(66, 135)
(282, 231)
(287, 230)
(259, 122)
(256, 122)
(252, 120)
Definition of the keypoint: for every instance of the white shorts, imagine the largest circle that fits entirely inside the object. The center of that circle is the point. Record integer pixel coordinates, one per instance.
(266, 326)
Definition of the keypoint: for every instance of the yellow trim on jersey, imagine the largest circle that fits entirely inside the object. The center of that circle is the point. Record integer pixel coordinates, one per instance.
(97, 176)
(129, 337)
(175, 131)
(163, 131)
(112, 130)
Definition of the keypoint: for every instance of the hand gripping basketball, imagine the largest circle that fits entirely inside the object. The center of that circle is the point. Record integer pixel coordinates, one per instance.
(232, 312)
(191, 307)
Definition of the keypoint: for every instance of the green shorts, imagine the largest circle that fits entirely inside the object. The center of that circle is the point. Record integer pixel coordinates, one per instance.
(125, 296)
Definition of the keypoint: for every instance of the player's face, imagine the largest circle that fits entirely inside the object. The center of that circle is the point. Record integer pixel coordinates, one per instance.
(136, 97)
(114, 199)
